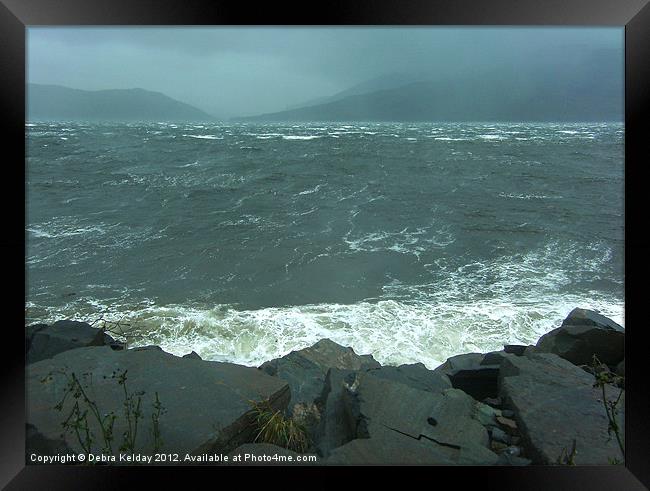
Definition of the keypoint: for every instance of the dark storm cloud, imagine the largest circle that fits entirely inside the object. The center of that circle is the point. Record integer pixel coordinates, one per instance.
(239, 71)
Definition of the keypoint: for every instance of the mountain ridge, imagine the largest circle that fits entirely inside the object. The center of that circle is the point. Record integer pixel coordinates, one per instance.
(55, 102)
(463, 101)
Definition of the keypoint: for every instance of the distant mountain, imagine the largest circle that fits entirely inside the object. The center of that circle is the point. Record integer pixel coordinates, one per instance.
(383, 82)
(590, 89)
(467, 101)
(54, 102)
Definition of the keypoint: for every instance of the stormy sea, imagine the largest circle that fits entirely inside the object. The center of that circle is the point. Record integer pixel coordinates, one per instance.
(243, 241)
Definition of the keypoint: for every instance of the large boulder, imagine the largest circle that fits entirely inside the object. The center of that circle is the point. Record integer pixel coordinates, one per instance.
(585, 333)
(555, 403)
(43, 341)
(206, 406)
(395, 423)
(305, 371)
(337, 426)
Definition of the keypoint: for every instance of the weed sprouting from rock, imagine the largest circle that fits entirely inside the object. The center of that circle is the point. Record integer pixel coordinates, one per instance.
(271, 426)
(84, 410)
(605, 377)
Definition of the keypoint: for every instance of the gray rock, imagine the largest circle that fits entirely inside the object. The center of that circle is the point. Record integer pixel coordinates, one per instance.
(585, 333)
(486, 415)
(554, 403)
(406, 425)
(305, 371)
(499, 435)
(493, 401)
(493, 358)
(336, 426)
(391, 449)
(206, 405)
(515, 349)
(416, 376)
(513, 451)
(193, 355)
(468, 361)
(148, 347)
(43, 341)
(498, 447)
(508, 424)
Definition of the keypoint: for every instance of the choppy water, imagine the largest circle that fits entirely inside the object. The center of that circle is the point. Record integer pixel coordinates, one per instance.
(413, 242)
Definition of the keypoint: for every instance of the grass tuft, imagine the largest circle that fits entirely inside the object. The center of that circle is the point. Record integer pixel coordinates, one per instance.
(273, 427)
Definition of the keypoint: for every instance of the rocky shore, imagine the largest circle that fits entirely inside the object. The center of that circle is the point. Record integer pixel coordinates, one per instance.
(541, 404)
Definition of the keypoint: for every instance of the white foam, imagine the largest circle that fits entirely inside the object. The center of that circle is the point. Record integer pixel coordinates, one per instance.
(205, 137)
(193, 164)
(310, 191)
(300, 137)
(527, 196)
(393, 332)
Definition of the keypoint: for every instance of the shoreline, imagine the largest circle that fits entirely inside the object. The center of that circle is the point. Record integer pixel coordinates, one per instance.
(522, 405)
(394, 332)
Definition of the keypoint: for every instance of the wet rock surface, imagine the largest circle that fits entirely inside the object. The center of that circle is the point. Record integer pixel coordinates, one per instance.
(44, 341)
(583, 334)
(305, 371)
(205, 405)
(554, 403)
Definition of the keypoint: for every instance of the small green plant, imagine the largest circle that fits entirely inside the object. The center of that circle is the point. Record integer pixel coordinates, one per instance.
(271, 426)
(84, 410)
(155, 424)
(567, 457)
(132, 413)
(605, 377)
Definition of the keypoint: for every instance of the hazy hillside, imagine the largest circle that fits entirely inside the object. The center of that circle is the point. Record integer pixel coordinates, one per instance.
(53, 102)
(383, 82)
(591, 90)
(464, 101)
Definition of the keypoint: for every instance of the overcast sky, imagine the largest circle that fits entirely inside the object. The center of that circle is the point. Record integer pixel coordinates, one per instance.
(242, 71)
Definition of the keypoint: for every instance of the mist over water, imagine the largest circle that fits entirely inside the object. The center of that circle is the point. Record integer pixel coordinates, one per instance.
(413, 242)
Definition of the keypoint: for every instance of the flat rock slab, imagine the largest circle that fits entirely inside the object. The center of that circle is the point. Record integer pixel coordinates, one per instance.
(585, 333)
(44, 341)
(337, 426)
(414, 375)
(554, 403)
(206, 405)
(390, 449)
(395, 416)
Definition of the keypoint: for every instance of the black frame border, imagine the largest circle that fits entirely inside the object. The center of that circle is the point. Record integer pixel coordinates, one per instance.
(634, 15)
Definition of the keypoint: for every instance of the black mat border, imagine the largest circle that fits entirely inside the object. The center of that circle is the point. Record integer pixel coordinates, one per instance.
(16, 14)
